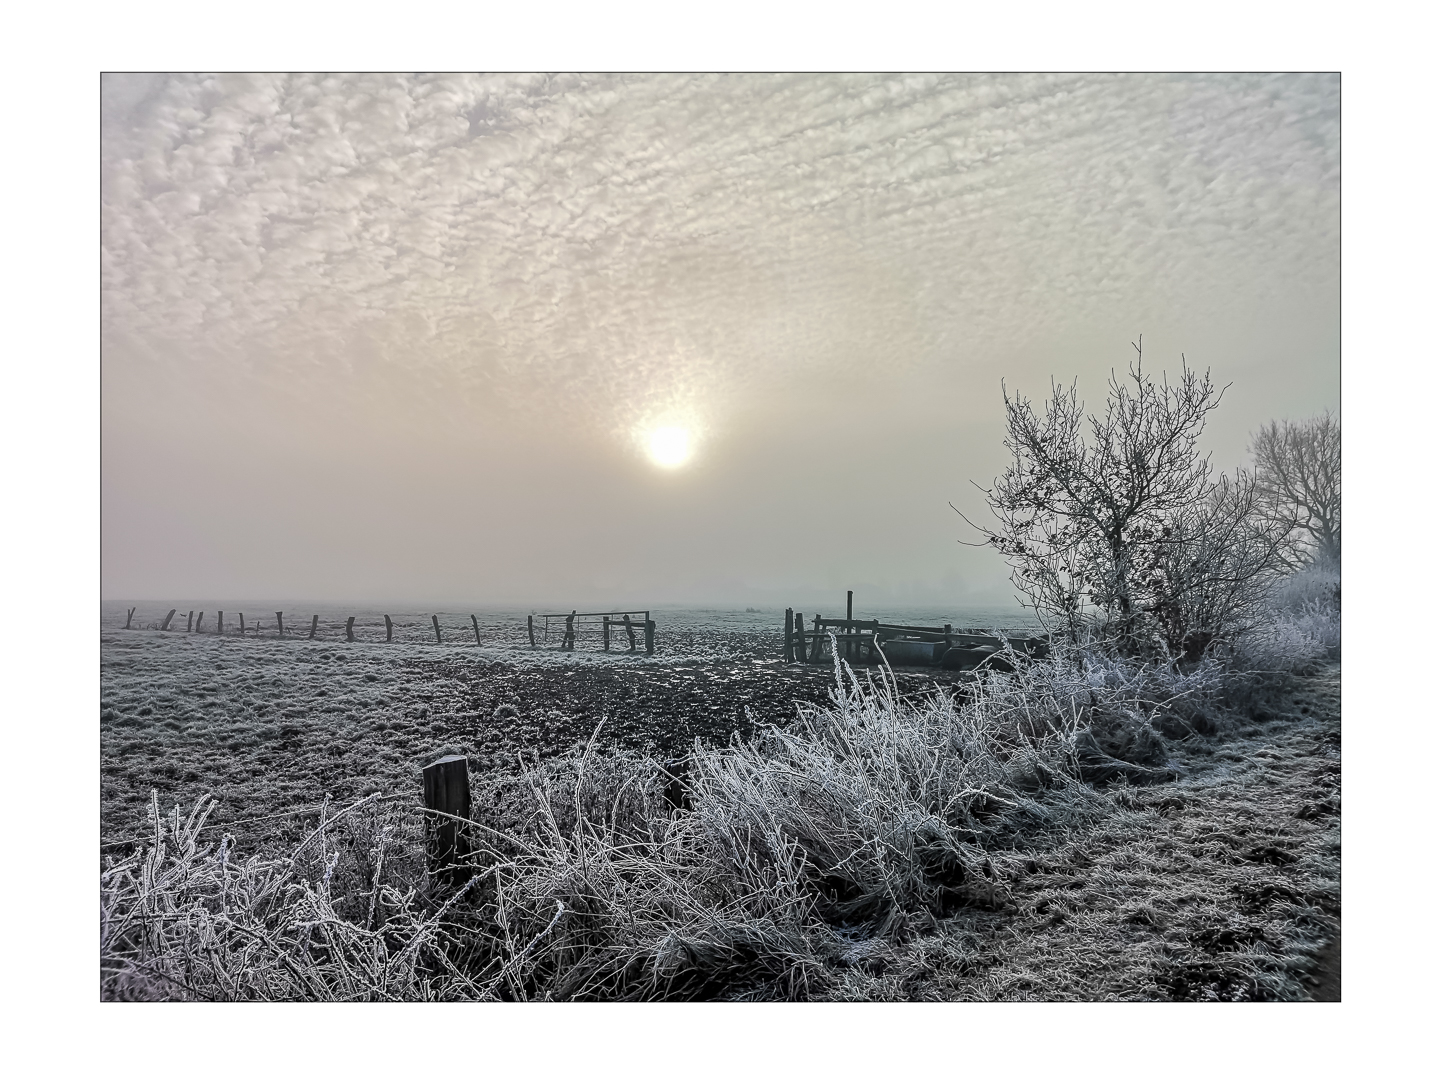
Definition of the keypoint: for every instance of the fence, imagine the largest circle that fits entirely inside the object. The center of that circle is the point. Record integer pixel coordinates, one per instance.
(574, 628)
(863, 640)
(257, 628)
(611, 624)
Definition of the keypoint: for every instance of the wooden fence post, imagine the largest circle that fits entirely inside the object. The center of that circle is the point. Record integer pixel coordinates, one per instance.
(350, 628)
(677, 791)
(447, 789)
(530, 625)
(475, 624)
(815, 645)
(200, 622)
(314, 625)
(242, 624)
(280, 622)
(220, 623)
(128, 616)
(189, 620)
(649, 635)
(435, 621)
(605, 631)
(630, 631)
(166, 624)
(789, 650)
(389, 629)
(849, 617)
(799, 637)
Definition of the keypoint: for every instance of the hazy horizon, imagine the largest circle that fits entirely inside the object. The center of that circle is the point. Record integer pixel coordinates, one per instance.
(410, 340)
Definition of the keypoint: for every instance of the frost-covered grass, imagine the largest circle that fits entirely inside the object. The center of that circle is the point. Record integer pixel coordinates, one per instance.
(987, 841)
(267, 723)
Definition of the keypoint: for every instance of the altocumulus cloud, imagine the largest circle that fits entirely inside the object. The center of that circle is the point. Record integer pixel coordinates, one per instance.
(624, 248)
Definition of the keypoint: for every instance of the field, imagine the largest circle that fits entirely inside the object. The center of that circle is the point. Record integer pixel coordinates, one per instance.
(1191, 856)
(267, 723)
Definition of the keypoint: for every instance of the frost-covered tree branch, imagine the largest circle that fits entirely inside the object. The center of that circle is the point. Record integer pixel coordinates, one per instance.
(1114, 522)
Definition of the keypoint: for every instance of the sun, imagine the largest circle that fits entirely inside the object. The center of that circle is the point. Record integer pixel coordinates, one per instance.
(670, 447)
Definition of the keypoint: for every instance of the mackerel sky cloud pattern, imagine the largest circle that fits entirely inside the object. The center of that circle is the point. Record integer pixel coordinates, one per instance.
(620, 248)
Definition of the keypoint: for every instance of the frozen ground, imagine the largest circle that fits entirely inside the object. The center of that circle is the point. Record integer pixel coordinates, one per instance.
(1223, 884)
(266, 723)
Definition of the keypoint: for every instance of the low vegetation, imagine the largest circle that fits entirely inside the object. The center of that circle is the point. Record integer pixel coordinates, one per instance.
(875, 847)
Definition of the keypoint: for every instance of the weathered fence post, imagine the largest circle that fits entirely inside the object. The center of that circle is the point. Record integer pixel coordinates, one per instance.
(815, 645)
(630, 631)
(435, 621)
(128, 616)
(189, 620)
(649, 635)
(242, 624)
(799, 637)
(475, 624)
(447, 790)
(389, 629)
(947, 635)
(789, 652)
(605, 631)
(314, 625)
(849, 624)
(280, 622)
(677, 791)
(350, 628)
(166, 624)
(200, 622)
(220, 623)
(530, 625)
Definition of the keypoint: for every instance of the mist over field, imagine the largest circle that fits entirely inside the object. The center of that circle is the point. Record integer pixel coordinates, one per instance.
(389, 338)
(535, 435)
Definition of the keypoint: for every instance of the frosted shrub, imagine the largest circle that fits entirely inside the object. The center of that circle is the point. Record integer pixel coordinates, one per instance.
(1291, 642)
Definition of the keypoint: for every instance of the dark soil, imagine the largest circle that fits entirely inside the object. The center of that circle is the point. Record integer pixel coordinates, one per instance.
(271, 725)
(1324, 981)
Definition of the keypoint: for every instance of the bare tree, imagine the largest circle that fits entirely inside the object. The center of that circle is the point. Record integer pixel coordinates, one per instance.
(1114, 523)
(1297, 469)
(1209, 576)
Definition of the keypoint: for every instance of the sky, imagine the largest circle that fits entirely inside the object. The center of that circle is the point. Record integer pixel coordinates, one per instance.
(390, 338)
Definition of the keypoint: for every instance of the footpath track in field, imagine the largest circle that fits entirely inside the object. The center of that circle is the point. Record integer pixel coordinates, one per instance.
(1221, 886)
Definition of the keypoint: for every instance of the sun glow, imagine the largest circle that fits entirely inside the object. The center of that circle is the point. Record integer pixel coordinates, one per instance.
(670, 447)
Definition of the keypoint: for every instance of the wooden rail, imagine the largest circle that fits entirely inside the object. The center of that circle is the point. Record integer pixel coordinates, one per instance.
(607, 620)
(868, 636)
